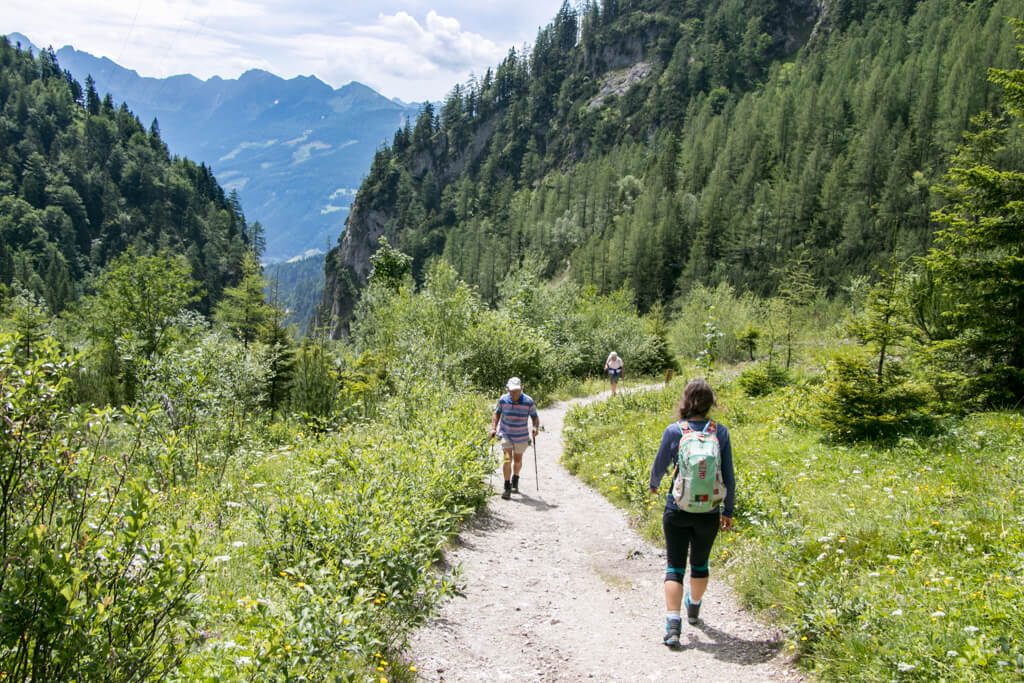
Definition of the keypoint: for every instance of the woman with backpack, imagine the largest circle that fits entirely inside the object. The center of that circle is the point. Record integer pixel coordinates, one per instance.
(699, 503)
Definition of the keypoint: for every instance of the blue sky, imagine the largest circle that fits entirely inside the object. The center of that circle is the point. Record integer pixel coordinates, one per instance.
(410, 49)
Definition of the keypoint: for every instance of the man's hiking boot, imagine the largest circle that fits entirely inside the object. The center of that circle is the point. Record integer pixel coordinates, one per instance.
(692, 610)
(515, 483)
(507, 493)
(672, 628)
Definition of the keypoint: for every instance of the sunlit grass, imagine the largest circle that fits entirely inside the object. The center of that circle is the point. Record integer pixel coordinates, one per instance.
(893, 562)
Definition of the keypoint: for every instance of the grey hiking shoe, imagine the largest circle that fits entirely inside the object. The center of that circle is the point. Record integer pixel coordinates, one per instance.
(507, 493)
(515, 483)
(672, 628)
(692, 610)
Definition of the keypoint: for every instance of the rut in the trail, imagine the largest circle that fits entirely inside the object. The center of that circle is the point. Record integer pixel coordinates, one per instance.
(558, 587)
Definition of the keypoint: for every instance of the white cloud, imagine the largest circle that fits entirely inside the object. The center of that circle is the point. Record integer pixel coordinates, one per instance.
(412, 49)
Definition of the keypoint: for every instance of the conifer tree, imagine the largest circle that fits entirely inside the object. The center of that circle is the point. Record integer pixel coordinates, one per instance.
(978, 258)
(244, 309)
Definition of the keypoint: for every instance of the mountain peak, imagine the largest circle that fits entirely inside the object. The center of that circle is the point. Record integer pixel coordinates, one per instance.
(14, 38)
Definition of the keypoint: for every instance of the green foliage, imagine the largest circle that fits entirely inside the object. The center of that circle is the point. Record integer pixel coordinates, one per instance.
(209, 391)
(244, 309)
(132, 317)
(328, 546)
(747, 339)
(857, 404)
(315, 388)
(883, 322)
(29, 320)
(735, 314)
(389, 267)
(978, 258)
(91, 587)
(498, 348)
(707, 356)
(761, 379)
(796, 293)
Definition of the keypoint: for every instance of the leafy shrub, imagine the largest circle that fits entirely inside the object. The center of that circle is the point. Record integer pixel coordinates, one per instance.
(499, 349)
(91, 588)
(762, 379)
(856, 404)
(314, 389)
(208, 392)
(346, 540)
(734, 315)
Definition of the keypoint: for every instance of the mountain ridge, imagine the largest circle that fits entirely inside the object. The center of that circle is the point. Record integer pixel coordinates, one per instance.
(294, 149)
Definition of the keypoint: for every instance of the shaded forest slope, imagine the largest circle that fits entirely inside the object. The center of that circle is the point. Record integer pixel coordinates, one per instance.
(81, 180)
(656, 145)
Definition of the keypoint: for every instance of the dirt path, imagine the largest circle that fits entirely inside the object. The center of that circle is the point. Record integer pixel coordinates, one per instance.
(560, 588)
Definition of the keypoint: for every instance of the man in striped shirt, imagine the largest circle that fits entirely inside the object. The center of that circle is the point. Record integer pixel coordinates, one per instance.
(511, 423)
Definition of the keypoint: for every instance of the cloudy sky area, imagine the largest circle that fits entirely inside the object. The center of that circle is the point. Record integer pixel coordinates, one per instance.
(411, 49)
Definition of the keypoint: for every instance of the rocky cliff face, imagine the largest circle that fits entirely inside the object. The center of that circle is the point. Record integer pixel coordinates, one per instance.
(347, 267)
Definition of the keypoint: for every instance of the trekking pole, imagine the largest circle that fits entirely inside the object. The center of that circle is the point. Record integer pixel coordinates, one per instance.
(536, 477)
(490, 469)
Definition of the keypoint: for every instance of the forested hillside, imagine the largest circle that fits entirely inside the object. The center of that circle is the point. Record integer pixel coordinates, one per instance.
(81, 180)
(295, 149)
(657, 145)
(296, 286)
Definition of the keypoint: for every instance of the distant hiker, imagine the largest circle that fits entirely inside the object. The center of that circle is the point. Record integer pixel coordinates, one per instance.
(509, 422)
(614, 367)
(705, 447)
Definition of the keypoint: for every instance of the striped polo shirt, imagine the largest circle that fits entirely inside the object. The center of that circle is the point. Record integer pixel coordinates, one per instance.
(515, 417)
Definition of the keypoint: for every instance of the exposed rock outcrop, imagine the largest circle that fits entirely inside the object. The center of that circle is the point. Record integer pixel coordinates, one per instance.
(618, 83)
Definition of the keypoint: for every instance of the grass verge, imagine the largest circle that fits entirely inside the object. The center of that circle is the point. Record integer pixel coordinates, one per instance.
(901, 561)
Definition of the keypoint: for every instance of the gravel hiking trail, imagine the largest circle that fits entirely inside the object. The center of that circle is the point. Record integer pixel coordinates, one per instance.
(559, 587)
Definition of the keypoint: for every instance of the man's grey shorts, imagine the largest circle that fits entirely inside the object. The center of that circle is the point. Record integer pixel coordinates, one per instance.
(519, 447)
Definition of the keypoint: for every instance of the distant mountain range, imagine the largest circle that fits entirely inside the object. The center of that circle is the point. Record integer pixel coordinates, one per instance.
(296, 150)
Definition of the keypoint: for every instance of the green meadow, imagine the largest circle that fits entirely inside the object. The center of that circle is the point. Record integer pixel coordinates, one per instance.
(896, 560)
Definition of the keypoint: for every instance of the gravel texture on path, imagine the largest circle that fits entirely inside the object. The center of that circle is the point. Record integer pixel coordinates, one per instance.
(559, 587)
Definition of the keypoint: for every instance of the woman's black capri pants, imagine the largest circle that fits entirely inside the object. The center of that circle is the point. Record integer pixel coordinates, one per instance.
(688, 533)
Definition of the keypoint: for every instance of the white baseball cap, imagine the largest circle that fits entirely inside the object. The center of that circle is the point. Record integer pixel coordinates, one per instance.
(514, 383)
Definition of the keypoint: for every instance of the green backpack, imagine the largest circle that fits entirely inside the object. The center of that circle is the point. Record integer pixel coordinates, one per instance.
(697, 485)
